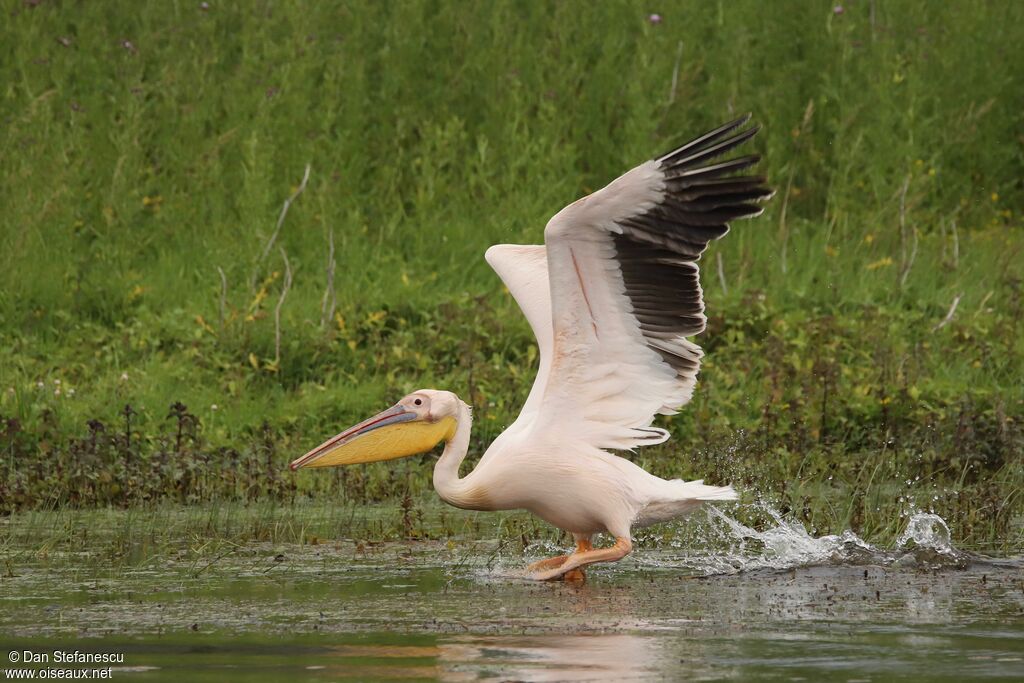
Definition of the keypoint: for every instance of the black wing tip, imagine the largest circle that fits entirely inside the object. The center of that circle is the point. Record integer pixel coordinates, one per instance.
(712, 148)
(713, 135)
(730, 126)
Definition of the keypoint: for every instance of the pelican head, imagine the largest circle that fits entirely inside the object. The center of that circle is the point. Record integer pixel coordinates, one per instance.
(414, 425)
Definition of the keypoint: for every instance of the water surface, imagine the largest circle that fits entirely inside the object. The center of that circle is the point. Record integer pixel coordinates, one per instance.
(781, 605)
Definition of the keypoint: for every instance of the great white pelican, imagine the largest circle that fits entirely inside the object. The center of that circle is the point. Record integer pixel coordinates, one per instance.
(611, 295)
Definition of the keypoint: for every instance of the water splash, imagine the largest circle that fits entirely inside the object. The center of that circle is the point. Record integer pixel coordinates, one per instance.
(724, 545)
(926, 543)
(926, 530)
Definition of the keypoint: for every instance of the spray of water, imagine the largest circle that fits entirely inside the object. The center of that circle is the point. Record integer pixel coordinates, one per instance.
(724, 545)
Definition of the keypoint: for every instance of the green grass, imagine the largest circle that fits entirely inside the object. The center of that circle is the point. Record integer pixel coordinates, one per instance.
(146, 152)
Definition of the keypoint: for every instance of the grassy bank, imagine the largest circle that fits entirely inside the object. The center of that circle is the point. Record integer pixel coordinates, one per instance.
(168, 333)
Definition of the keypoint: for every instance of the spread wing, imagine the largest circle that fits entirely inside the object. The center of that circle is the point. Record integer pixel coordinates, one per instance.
(625, 292)
(524, 270)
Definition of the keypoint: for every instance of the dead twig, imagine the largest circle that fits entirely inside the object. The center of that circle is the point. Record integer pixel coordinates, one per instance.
(949, 316)
(801, 131)
(783, 227)
(903, 219)
(910, 262)
(675, 73)
(984, 300)
(906, 257)
(280, 219)
(277, 309)
(330, 300)
(223, 294)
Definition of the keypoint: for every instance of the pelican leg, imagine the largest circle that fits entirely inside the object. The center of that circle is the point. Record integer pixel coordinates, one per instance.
(582, 545)
(578, 560)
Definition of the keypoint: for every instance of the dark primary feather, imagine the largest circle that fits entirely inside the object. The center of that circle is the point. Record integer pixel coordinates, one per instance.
(657, 250)
(703, 141)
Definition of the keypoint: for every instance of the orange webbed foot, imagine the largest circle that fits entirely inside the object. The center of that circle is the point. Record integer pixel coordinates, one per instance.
(549, 563)
(582, 558)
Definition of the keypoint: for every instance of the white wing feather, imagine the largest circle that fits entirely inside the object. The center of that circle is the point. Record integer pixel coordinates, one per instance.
(524, 270)
(624, 293)
(605, 382)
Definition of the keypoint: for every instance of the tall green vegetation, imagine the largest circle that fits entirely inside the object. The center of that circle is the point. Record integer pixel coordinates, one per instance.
(167, 331)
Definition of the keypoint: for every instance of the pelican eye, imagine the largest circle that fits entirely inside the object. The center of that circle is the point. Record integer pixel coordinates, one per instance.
(418, 401)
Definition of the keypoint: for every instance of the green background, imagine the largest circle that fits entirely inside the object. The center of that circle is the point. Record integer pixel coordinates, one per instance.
(147, 150)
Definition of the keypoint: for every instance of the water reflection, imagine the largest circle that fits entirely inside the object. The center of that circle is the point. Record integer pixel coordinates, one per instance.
(532, 658)
(618, 656)
(816, 651)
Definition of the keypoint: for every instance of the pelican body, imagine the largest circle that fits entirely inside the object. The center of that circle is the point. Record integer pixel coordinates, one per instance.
(611, 296)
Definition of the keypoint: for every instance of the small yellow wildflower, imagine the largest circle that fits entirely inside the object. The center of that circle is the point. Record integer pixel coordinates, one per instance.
(203, 324)
(831, 251)
(260, 296)
(995, 196)
(880, 263)
(869, 238)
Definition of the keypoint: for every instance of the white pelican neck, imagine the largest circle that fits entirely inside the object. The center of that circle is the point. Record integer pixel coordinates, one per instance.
(458, 492)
